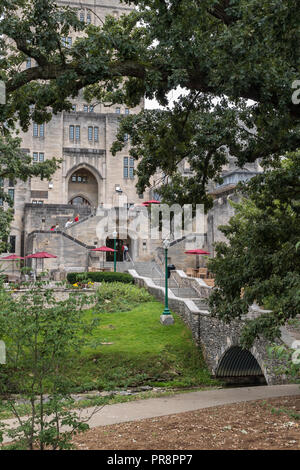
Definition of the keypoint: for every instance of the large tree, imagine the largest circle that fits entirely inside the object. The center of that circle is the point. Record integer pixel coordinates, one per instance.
(224, 51)
(261, 262)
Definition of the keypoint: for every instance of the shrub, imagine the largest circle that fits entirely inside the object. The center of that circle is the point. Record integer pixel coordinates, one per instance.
(101, 277)
(120, 297)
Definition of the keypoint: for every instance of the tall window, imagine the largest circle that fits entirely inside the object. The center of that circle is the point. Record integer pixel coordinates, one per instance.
(90, 133)
(126, 110)
(118, 110)
(28, 62)
(12, 243)
(35, 130)
(91, 108)
(88, 18)
(71, 132)
(125, 167)
(41, 157)
(96, 134)
(128, 167)
(77, 133)
(131, 167)
(11, 193)
(42, 130)
(81, 16)
(85, 108)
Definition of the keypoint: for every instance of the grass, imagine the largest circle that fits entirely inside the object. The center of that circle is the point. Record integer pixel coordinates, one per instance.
(139, 351)
(130, 348)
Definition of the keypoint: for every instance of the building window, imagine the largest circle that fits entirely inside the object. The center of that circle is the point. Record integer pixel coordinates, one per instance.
(90, 133)
(125, 137)
(28, 63)
(71, 132)
(77, 133)
(74, 108)
(38, 157)
(96, 134)
(92, 108)
(12, 244)
(69, 40)
(35, 130)
(35, 156)
(131, 167)
(79, 178)
(118, 110)
(81, 16)
(11, 183)
(38, 130)
(126, 110)
(85, 108)
(88, 18)
(125, 167)
(11, 193)
(41, 157)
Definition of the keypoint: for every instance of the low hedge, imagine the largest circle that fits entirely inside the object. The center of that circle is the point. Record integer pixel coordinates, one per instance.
(100, 277)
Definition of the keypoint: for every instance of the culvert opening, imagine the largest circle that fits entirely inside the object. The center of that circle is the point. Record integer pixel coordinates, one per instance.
(239, 367)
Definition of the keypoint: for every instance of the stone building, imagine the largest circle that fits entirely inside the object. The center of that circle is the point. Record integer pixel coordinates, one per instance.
(89, 176)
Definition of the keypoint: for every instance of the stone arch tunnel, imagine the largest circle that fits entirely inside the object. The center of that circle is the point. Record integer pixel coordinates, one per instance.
(238, 364)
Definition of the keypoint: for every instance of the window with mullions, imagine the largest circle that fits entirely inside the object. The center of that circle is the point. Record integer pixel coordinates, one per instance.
(81, 16)
(131, 167)
(71, 132)
(128, 167)
(90, 133)
(79, 178)
(96, 134)
(38, 130)
(88, 18)
(28, 63)
(38, 157)
(77, 133)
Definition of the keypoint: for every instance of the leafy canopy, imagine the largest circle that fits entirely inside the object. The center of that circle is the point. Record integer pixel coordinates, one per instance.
(261, 262)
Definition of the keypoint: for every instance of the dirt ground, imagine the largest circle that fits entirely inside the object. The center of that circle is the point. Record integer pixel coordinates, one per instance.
(242, 426)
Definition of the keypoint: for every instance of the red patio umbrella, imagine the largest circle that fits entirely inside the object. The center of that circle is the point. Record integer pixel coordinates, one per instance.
(153, 201)
(40, 255)
(197, 252)
(11, 258)
(103, 249)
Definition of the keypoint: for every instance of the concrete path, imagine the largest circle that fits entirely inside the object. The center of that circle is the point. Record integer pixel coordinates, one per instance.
(163, 406)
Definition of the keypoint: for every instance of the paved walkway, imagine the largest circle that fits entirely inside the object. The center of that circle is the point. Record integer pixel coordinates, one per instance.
(163, 406)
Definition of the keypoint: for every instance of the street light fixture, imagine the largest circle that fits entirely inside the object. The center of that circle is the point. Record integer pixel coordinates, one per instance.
(114, 235)
(166, 318)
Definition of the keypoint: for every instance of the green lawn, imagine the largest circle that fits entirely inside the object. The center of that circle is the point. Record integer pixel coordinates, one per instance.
(143, 352)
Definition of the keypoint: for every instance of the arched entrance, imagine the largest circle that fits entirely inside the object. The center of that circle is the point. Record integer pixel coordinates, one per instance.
(83, 188)
(238, 365)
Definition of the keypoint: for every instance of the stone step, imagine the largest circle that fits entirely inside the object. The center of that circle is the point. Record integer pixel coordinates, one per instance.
(185, 292)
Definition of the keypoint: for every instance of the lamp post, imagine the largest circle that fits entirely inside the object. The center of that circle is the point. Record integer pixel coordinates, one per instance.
(166, 318)
(115, 234)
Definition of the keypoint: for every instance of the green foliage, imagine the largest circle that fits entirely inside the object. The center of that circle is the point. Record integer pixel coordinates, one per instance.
(260, 256)
(101, 277)
(40, 333)
(222, 53)
(120, 297)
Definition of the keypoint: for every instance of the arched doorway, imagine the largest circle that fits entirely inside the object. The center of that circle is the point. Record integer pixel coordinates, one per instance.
(238, 365)
(119, 244)
(83, 188)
